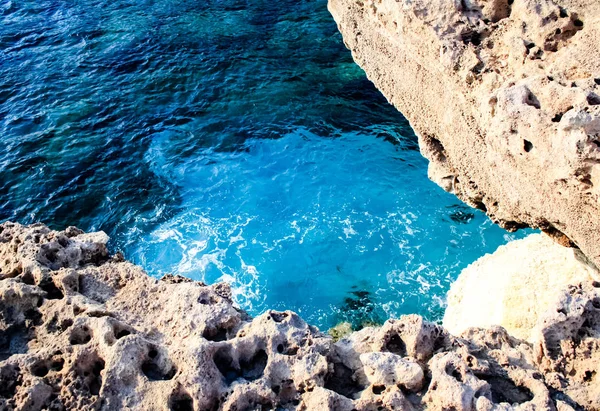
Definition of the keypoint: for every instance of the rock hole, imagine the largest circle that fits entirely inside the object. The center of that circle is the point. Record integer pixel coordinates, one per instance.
(396, 345)
(34, 316)
(39, 370)
(478, 67)
(207, 300)
(481, 393)
(215, 334)
(291, 351)
(224, 363)
(278, 317)
(470, 36)
(66, 323)
(557, 118)
(593, 99)
(95, 379)
(80, 336)
(527, 146)
(154, 373)
(452, 371)
(89, 373)
(28, 279)
(249, 369)
(57, 364)
(155, 370)
(342, 380)
(563, 13)
(122, 333)
(285, 349)
(181, 401)
(505, 390)
(578, 23)
(378, 389)
(253, 368)
(588, 376)
(531, 100)
(52, 291)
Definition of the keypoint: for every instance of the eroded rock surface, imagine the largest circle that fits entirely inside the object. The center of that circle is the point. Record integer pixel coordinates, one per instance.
(83, 330)
(505, 98)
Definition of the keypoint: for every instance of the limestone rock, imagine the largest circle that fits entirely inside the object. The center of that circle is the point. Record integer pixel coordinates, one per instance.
(83, 330)
(505, 98)
(515, 286)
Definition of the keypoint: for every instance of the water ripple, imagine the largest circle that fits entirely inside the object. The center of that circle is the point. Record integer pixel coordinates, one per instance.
(227, 141)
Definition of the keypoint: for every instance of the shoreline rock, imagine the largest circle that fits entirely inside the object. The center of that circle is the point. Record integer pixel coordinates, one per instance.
(81, 329)
(505, 99)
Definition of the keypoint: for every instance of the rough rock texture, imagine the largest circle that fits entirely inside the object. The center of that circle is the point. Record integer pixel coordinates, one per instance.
(515, 286)
(83, 330)
(505, 98)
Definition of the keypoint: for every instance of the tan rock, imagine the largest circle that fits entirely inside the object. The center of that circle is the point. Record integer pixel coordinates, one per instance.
(83, 330)
(504, 97)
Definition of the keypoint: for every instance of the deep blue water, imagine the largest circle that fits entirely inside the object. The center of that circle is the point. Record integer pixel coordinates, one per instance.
(227, 140)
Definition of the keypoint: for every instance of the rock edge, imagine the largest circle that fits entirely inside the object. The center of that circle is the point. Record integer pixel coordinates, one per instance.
(83, 330)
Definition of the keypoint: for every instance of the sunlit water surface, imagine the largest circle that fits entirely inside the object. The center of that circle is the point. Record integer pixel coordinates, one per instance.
(227, 141)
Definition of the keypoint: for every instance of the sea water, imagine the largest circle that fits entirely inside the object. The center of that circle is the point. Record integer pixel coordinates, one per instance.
(231, 141)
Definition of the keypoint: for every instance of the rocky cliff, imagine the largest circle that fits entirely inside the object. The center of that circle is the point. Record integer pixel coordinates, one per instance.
(83, 330)
(505, 98)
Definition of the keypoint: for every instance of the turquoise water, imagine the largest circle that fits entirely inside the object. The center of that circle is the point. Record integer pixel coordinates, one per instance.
(227, 141)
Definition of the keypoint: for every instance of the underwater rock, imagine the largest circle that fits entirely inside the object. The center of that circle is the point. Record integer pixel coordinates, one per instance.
(83, 330)
(515, 286)
(505, 98)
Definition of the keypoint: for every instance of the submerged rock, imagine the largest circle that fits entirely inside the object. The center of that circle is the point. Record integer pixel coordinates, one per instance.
(505, 98)
(83, 330)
